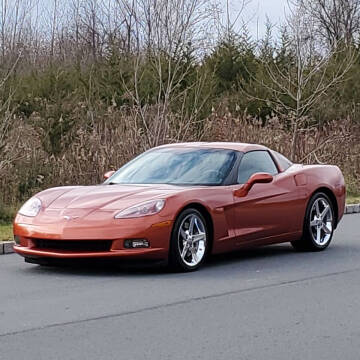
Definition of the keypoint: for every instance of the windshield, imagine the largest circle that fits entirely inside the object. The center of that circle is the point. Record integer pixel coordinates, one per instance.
(178, 167)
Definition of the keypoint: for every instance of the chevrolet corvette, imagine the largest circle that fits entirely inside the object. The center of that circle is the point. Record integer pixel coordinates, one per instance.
(179, 203)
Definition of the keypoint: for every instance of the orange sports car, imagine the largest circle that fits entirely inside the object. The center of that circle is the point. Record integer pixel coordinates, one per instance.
(178, 203)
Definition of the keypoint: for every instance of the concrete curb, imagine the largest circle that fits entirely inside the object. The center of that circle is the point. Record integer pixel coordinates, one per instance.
(352, 209)
(6, 247)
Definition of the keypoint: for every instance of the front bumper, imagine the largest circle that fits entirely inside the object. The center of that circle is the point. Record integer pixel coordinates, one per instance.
(154, 229)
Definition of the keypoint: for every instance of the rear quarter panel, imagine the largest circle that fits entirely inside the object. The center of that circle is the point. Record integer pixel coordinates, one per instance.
(312, 178)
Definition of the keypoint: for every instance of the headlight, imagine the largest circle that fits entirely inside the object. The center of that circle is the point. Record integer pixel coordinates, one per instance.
(144, 209)
(31, 208)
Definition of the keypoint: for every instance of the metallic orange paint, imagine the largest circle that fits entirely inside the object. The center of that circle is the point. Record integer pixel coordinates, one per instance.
(259, 178)
(269, 209)
(109, 174)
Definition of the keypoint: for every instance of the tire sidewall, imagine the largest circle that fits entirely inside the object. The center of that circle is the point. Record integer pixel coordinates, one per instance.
(175, 259)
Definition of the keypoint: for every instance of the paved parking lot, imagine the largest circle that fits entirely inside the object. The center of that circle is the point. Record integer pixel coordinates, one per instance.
(269, 303)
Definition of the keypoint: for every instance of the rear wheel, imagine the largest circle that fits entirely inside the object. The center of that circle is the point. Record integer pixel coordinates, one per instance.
(189, 241)
(318, 225)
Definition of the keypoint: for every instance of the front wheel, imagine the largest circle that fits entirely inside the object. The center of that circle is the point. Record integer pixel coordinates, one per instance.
(318, 224)
(189, 241)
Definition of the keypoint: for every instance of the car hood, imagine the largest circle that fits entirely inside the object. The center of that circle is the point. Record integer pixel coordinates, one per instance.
(104, 197)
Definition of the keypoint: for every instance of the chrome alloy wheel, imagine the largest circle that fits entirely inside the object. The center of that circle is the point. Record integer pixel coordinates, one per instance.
(321, 221)
(192, 240)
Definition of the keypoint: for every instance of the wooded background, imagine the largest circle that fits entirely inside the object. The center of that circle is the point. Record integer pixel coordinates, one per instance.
(85, 85)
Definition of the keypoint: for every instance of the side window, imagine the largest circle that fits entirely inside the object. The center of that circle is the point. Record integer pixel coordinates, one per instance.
(282, 161)
(254, 162)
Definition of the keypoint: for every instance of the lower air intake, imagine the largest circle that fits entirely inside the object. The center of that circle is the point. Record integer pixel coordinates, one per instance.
(74, 245)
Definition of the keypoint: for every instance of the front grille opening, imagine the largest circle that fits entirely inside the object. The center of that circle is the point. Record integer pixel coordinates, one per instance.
(74, 245)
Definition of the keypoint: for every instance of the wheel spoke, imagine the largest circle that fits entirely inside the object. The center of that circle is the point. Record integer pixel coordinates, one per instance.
(318, 234)
(184, 251)
(194, 255)
(197, 225)
(198, 237)
(325, 211)
(326, 229)
(191, 227)
(313, 223)
(317, 209)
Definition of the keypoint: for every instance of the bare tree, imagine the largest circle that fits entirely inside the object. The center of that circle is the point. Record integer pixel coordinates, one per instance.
(161, 30)
(336, 20)
(8, 151)
(228, 17)
(294, 90)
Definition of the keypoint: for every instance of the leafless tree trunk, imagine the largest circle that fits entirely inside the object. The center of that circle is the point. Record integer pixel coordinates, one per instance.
(53, 28)
(4, 11)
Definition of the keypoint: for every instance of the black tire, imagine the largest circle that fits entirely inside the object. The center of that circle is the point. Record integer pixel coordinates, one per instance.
(176, 261)
(312, 240)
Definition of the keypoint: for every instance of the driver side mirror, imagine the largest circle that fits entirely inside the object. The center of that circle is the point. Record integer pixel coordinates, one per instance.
(258, 178)
(109, 174)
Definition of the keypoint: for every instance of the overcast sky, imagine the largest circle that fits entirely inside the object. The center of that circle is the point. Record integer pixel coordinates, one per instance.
(254, 14)
(258, 9)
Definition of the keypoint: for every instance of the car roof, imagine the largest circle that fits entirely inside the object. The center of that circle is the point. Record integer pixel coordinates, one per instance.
(243, 147)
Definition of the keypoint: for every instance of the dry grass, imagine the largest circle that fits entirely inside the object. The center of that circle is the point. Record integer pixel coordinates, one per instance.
(353, 200)
(107, 138)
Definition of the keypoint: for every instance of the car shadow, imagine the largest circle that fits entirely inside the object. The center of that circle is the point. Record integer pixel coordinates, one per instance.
(114, 269)
(251, 254)
(280, 256)
(96, 268)
(245, 258)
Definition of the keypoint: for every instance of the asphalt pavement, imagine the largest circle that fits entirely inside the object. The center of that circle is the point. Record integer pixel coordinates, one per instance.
(267, 303)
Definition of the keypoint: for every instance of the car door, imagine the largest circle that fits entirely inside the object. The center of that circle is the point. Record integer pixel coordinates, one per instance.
(266, 213)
